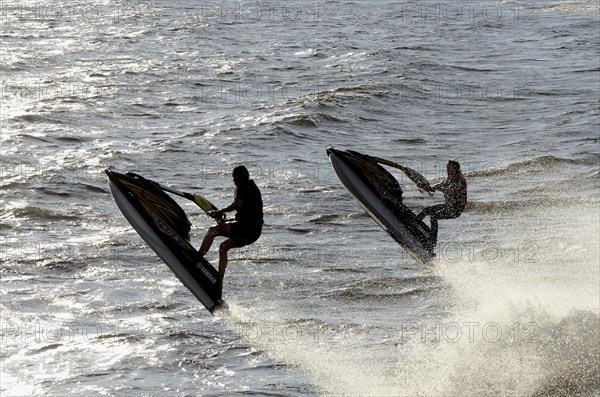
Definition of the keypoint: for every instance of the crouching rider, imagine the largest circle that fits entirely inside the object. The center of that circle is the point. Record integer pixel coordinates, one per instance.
(247, 226)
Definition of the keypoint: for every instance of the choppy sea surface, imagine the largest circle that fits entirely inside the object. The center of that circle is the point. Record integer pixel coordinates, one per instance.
(325, 303)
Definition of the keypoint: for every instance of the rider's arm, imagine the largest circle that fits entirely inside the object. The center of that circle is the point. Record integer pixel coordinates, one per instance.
(442, 186)
(236, 205)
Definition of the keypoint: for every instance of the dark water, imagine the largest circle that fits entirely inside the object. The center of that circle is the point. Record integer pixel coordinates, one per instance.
(325, 303)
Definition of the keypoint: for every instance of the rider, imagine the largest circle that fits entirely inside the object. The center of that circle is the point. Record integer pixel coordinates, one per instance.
(454, 188)
(246, 228)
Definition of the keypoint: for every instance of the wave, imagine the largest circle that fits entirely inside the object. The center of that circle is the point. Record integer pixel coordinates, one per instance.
(410, 141)
(337, 269)
(53, 192)
(39, 138)
(540, 164)
(593, 70)
(35, 119)
(328, 117)
(353, 294)
(70, 139)
(486, 207)
(328, 219)
(568, 7)
(33, 212)
(386, 288)
(300, 120)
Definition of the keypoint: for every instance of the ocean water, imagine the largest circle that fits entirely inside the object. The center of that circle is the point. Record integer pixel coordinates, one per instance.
(325, 303)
